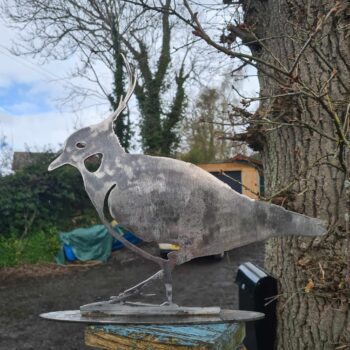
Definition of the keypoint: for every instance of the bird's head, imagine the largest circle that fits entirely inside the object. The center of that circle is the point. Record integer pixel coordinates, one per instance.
(98, 139)
(79, 146)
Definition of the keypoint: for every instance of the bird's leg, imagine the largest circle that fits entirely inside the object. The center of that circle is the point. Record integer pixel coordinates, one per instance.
(166, 267)
(168, 284)
(128, 244)
(136, 290)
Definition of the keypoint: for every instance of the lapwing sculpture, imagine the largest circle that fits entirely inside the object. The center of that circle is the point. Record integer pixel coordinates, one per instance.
(167, 200)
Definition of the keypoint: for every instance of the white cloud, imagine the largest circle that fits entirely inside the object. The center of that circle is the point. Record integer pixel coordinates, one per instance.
(44, 130)
(31, 117)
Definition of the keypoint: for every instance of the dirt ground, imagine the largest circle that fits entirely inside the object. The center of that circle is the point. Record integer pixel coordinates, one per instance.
(27, 292)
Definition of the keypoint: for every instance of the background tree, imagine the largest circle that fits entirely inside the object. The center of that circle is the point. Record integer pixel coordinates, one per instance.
(122, 126)
(159, 124)
(97, 32)
(207, 129)
(301, 128)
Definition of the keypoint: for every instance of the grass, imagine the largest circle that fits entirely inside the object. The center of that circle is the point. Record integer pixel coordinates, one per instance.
(38, 247)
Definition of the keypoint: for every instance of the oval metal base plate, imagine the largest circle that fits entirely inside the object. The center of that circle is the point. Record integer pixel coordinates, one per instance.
(223, 317)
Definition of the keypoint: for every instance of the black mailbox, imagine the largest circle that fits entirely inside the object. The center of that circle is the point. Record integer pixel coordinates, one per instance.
(256, 288)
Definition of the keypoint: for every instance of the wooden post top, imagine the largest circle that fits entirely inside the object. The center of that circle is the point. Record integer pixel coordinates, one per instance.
(166, 337)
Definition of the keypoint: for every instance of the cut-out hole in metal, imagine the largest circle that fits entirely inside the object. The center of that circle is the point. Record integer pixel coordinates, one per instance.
(93, 162)
(80, 145)
(106, 211)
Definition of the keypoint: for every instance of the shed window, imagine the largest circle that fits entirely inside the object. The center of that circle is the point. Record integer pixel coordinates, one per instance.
(232, 178)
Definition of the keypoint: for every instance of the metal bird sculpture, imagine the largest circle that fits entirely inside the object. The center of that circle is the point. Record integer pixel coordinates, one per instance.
(167, 200)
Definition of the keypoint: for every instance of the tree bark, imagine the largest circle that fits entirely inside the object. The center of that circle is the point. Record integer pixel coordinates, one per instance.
(307, 162)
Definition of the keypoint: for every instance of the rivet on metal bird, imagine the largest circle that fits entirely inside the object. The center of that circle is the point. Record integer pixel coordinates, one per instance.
(167, 200)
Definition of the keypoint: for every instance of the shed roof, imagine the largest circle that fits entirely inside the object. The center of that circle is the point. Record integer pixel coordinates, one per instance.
(240, 158)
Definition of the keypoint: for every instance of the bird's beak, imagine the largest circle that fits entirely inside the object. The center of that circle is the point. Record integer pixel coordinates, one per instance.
(59, 161)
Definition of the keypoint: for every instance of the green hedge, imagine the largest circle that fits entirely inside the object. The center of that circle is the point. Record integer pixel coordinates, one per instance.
(35, 205)
(33, 200)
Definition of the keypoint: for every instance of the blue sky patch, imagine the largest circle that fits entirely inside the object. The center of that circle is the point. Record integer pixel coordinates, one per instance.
(23, 98)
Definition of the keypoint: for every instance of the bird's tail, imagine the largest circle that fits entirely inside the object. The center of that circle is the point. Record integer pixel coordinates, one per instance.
(281, 222)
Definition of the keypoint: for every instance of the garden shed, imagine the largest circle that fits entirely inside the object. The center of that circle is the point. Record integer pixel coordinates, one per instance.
(244, 174)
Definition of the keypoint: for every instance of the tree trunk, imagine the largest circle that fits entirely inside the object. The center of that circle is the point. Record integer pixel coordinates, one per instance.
(306, 164)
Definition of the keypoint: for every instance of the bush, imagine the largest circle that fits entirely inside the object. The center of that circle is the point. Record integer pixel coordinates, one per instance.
(34, 199)
(38, 247)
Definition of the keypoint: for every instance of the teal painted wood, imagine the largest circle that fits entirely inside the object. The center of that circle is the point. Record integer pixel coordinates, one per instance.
(213, 336)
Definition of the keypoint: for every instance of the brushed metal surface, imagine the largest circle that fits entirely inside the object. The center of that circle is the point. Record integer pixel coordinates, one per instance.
(225, 316)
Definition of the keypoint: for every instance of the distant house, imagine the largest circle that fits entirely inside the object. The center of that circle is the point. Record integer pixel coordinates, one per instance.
(23, 159)
(244, 174)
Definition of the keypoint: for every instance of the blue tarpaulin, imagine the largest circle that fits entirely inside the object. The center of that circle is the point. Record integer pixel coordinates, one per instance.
(93, 243)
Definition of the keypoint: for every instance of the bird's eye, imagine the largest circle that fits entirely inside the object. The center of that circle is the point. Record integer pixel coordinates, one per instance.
(80, 145)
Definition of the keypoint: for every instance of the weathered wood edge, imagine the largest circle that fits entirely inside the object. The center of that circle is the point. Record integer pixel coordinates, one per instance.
(141, 338)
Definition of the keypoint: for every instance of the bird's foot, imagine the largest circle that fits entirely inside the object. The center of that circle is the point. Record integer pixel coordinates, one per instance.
(122, 297)
(167, 303)
(135, 290)
(114, 299)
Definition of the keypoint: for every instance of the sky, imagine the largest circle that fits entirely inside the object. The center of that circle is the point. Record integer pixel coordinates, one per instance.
(31, 113)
